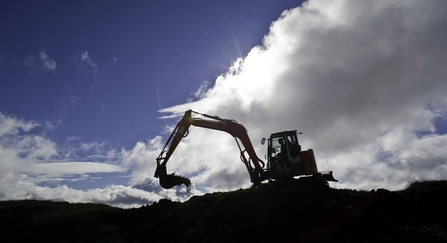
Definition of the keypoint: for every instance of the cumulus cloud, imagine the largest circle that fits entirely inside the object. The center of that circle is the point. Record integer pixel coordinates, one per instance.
(30, 163)
(361, 79)
(141, 158)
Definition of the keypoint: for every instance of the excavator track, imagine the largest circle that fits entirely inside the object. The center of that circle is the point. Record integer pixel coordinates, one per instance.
(318, 179)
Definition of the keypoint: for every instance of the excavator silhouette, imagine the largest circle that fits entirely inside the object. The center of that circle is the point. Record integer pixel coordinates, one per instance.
(285, 160)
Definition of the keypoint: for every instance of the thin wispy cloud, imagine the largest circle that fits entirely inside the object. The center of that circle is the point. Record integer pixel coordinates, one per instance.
(48, 64)
(38, 64)
(97, 69)
(87, 62)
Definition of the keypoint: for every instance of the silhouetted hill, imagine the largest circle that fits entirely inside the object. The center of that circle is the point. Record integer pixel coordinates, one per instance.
(270, 213)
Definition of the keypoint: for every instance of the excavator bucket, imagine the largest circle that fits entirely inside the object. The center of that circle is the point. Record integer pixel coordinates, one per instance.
(327, 176)
(168, 181)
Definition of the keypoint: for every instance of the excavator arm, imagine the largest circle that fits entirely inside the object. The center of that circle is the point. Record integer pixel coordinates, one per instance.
(254, 165)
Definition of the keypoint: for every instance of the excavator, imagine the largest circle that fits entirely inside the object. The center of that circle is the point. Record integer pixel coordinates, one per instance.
(285, 159)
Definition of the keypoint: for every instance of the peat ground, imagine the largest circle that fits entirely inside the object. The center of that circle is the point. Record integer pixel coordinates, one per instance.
(269, 213)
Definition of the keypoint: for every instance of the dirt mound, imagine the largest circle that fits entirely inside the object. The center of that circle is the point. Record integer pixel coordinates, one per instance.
(296, 213)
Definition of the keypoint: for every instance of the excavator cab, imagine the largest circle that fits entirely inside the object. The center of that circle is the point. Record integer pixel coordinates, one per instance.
(286, 159)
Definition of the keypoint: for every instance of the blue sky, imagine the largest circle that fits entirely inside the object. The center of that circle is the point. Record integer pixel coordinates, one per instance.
(85, 84)
(117, 63)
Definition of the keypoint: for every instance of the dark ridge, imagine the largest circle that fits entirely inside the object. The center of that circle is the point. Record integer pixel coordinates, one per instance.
(269, 213)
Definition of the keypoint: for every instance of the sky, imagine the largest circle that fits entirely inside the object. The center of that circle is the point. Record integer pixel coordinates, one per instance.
(90, 91)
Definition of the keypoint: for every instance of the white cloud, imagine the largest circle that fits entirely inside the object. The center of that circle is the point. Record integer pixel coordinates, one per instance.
(12, 126)
(201, 92)
(141, 159)
(38, 64)
(30, 162)
(115, 195)
(88, 66)
(69, 168)
(48, 63)
(87, 62)
(361, 79)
